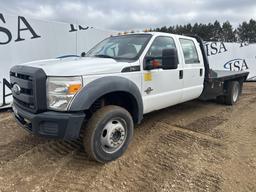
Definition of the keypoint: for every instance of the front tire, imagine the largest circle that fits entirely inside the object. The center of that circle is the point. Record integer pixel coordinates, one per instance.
(108, 133)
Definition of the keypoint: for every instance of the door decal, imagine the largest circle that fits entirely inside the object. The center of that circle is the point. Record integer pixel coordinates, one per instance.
(148, 76)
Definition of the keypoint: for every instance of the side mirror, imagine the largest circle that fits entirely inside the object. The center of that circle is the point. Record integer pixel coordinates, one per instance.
(169, 59)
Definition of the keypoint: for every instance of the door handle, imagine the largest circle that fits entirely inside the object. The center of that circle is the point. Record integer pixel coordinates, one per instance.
(201, 72)
(181, 74)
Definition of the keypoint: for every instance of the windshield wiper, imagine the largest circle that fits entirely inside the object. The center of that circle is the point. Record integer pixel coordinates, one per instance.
(104, 56)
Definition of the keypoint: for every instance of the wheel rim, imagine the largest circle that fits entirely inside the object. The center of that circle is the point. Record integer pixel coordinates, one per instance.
(235, 93)
(113, 135)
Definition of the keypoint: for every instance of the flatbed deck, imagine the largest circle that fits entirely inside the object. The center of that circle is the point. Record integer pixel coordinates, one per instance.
(217, 82)
(226, 75)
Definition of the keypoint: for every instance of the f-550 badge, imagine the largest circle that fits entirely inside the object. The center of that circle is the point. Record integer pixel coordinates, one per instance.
(149, 90)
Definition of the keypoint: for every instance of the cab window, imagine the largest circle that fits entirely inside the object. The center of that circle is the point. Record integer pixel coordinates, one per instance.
(159, 44)
(189, 51)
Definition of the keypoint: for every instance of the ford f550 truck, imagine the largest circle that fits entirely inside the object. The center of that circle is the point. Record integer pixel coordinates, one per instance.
(103, 93)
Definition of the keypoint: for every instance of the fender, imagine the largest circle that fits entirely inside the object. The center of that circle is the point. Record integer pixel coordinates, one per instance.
(100, 87)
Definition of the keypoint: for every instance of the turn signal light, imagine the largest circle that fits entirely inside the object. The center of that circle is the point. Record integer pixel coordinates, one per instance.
(73, 89)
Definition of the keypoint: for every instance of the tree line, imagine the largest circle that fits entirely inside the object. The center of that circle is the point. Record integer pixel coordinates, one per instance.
(225, 32)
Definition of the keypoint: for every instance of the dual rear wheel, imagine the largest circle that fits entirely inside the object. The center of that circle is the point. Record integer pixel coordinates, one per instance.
(232, 95)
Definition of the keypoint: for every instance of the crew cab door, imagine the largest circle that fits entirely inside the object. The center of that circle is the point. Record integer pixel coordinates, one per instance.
(161, 88)
(193, 70)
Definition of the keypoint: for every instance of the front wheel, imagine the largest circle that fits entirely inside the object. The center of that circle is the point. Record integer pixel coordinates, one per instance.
(108, 133)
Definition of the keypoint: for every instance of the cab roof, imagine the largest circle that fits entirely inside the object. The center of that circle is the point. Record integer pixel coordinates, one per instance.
(158, 34)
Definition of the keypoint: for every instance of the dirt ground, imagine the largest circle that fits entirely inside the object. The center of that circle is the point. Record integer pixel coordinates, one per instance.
(195, 146)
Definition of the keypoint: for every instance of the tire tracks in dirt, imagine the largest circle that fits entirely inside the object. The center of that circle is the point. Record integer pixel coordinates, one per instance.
(35, 165)
(14, 149)
(71, 165)
(195, 146)
(157, 155)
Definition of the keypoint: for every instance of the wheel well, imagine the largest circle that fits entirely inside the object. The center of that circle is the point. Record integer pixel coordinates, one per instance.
(122, 99)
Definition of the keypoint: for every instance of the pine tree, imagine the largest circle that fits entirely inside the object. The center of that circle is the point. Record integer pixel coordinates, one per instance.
(228, 34)
(252, 31)
(164, 29)
(242, 32)
(216, 32)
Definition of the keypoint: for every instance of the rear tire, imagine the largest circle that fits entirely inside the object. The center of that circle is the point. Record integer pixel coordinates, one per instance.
(108, 133)
(233, 93)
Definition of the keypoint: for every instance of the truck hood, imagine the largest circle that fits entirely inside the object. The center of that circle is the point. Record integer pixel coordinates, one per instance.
(78, 66)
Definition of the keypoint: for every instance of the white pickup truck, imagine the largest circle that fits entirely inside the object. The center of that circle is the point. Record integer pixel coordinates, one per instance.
(103, 93)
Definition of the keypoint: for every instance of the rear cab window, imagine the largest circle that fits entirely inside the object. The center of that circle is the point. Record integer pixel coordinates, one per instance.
(189, 51)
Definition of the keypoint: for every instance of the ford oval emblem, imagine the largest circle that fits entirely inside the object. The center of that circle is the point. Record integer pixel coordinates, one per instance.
(16, 89)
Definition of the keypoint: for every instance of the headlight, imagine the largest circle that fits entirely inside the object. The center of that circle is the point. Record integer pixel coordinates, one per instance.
(61, 90)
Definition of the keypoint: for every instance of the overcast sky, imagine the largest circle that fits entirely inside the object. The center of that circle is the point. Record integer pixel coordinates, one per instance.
(133, 14)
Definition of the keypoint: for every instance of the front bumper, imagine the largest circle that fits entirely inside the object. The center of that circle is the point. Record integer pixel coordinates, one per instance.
(50, 124)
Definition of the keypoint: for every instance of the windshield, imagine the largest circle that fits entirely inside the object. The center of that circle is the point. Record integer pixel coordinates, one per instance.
(121, 47)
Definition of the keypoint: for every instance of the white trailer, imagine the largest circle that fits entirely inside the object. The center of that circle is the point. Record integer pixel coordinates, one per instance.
(23, 39)
(232, 57)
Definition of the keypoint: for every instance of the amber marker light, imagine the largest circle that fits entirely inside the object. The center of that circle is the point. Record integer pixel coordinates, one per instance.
(73, 89)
